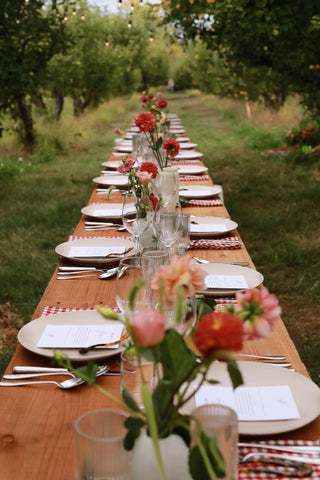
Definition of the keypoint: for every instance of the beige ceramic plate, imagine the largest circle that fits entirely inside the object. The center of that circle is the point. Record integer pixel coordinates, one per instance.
(112, 165)
(116, 180)
(176, 131)
(228, 224)
(30, 334)
(123, 148)
(104, 211)
(253, 278)
(199, 191)
(188, 155)
(64, 250)
(306, 394)
(187, 145)
(191, 170)
(182, 139)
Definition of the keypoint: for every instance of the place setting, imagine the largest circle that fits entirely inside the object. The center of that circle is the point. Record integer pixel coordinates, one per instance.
(208, 226)
(117, 180)
(188, 155)
(192, 169)
(199, 192)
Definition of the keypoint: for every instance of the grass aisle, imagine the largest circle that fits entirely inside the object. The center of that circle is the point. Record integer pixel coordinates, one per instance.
(275, 200)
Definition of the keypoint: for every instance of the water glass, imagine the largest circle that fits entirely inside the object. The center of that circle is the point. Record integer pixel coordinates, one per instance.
(131, 375)
(222, 422)
(99, 450)
(169, 225)
(184, 239)
(136, 145)
(128, 274)
(151, 262)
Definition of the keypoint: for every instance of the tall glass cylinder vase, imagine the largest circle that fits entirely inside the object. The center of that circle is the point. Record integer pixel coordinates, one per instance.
(167, 182)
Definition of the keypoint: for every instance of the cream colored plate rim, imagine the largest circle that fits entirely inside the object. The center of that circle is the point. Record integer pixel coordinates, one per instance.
(29, 335)
(117, 180)
(123, 148)
(207, 191)
(112, 165)
(253, 278)
(188, 155)
(182, 139)
(305, 393)
(92, 210)
(187, 145)
(191, 170)
(64, 248)
(229, 224)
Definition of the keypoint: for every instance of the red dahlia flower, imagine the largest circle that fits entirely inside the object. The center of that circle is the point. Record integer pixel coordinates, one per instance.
(144, 99)
(145, 121)
(162, 103)
(155, 202)
(219, 331)
(149, 167)
(172, 147)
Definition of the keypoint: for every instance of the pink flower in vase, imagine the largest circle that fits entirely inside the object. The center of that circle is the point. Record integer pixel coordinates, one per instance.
(118, 131)
(144, 177)
(126, 166)
(148, 327)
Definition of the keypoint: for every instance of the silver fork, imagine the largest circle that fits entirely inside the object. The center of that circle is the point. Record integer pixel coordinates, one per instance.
(202, 260)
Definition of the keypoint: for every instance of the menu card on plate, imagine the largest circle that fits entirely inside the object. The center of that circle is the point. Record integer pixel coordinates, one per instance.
(226, 282)
(94, 251)
(265, 403)
(79, 336)
(208, 228)
(116, 212)
(194, 193)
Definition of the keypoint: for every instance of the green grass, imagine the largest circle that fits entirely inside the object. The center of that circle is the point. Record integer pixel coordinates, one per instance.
(275, 199)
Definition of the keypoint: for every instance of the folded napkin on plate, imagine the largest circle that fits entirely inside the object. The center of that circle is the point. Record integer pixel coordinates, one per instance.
(190, 178)
(51, 310)
(243, 475)
(227, 243)
(204, 203)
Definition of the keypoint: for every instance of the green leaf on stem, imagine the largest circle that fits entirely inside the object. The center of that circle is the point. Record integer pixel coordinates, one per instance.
(235, 374)
(129, 400)
(134, 292)
(134, 426)
(89, 372)
(206, 449)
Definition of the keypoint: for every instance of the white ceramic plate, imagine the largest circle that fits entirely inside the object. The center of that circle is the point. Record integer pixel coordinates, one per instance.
(188, 155)
(187, 145)
(176, 131)
(125, 148)
(199, 191)
(228, 224)
(134, 129)
(103, 211)
(30, 334)
(191, 170)
(252, 277)
(182, 139)
(112, 165)
(116, 180)
(305, 393)
(64, 250)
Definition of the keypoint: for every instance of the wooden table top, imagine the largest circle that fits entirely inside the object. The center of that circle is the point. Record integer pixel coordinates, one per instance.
(36, 431)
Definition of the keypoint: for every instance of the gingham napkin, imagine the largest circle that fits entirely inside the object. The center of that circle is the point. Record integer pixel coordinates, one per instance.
(260, 476)
(227, 243)
(191, 178)
(50, 310)
(204, 203)
(73, 237)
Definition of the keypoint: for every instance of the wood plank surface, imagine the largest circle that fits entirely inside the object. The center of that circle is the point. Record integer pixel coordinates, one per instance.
(36, 432)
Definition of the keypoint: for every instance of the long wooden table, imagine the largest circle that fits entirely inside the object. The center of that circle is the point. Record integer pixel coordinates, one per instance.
(36, 431)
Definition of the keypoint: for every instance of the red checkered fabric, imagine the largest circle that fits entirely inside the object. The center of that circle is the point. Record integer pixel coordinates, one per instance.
(204, 203)
(51, 310)
(216, 244)
(73, 237)
(191, 178)
(260, 476)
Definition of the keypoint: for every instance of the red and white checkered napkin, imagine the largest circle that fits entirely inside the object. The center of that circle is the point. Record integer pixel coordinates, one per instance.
(184, 162)
(190, 178)
(204, 203)
(224, 302)
(74, 237)
(258, 476)
(228, 243)
(50, 310)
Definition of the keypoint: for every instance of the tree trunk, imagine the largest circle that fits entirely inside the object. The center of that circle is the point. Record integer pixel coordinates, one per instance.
(77, 106)
(58, 104)
(26, 118)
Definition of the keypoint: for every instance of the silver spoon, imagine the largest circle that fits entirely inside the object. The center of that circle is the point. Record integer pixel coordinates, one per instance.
(202, 260)
(69, 276)
(263, 357)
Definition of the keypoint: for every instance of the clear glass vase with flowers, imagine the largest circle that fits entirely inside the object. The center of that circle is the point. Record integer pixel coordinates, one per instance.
(217, 335)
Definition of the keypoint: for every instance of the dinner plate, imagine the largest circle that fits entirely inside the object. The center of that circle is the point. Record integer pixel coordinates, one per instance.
(175, 131)
(192, 169)
(252, 277)
(64, 250)
(104, 210)
(112, 165)
(212, 226)
(187, 145)
(306, 394)
(125, 148)
(30, 334)
(199, 191)
(182, 139)
(116, 180)
(188, 155)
